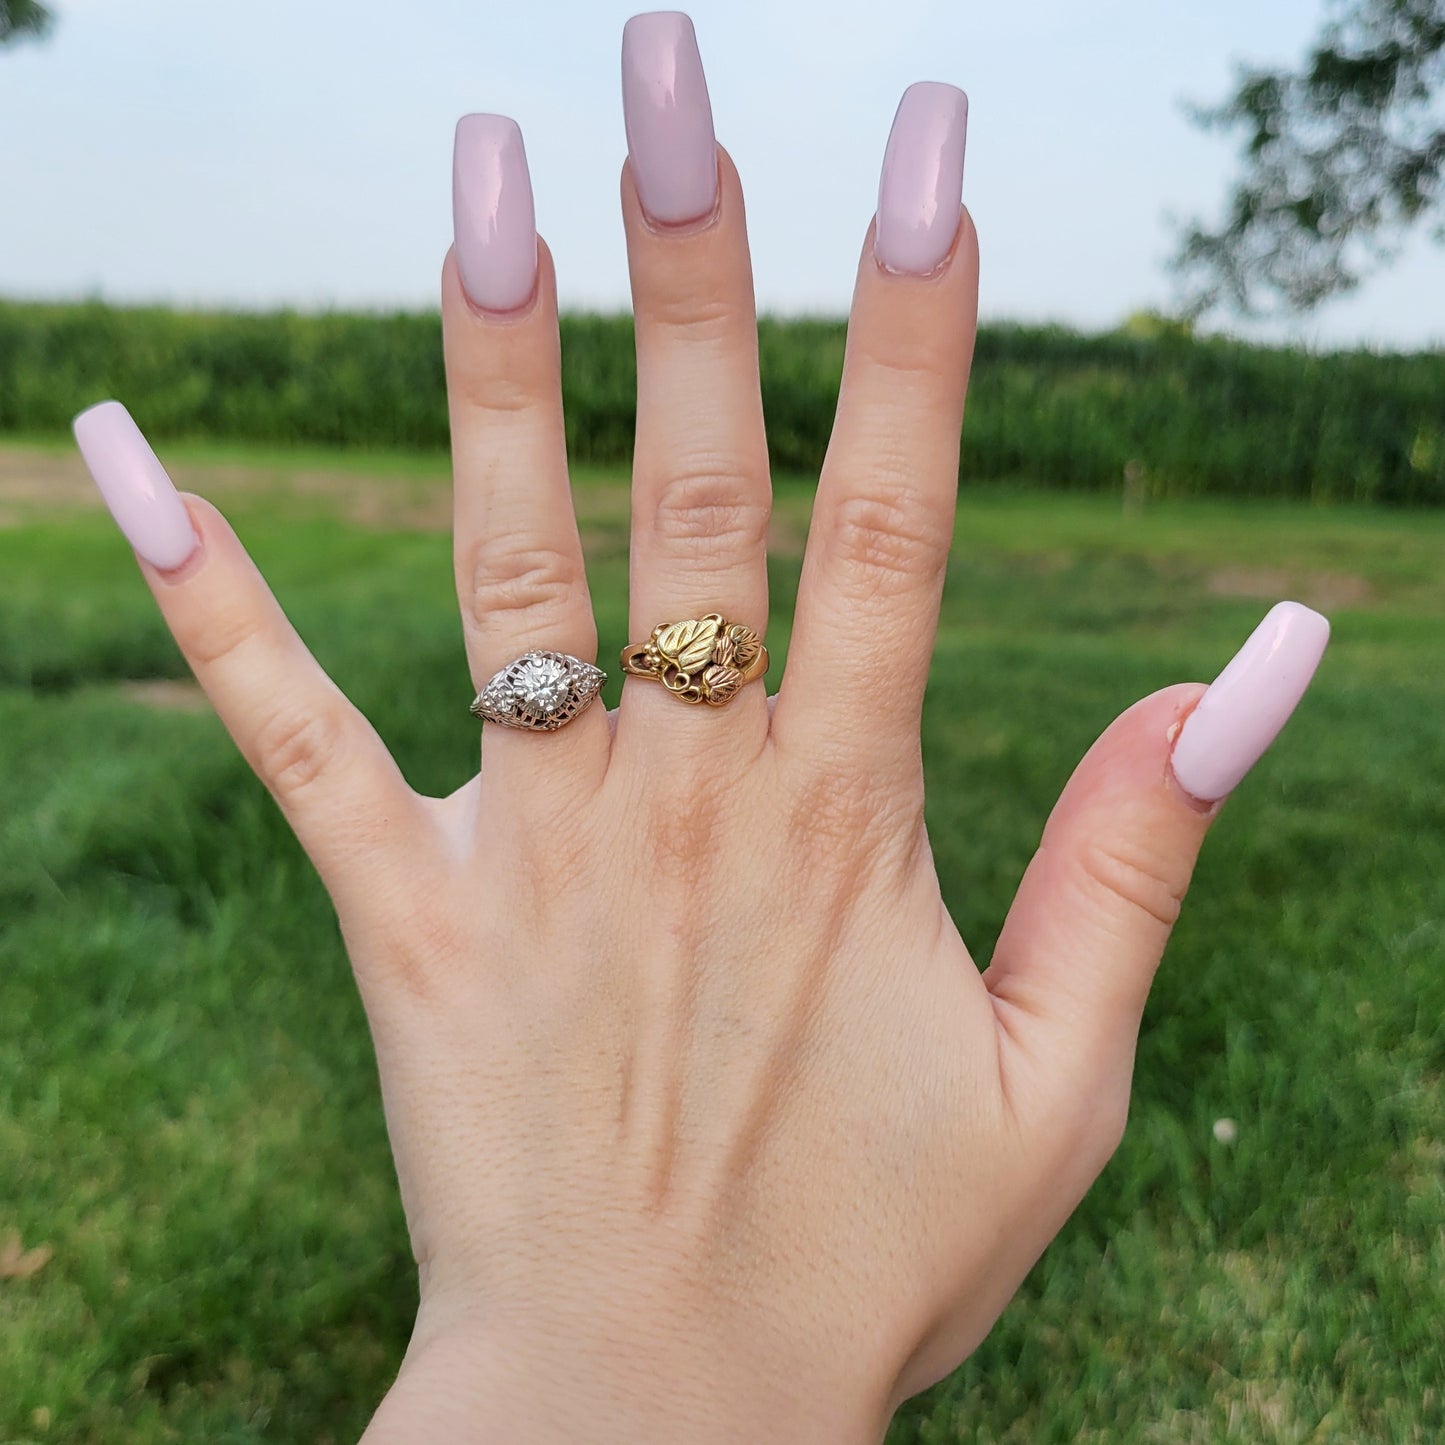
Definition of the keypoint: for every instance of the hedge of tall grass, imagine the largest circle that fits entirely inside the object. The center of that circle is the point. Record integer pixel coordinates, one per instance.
(1177, 415)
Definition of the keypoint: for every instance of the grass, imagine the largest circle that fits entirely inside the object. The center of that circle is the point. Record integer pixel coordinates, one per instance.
(188, 1109)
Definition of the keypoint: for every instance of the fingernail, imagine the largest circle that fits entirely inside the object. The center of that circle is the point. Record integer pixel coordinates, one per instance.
(1249, 702)
(668, 117)
(921, 188)
(492, 213)
(146, 507)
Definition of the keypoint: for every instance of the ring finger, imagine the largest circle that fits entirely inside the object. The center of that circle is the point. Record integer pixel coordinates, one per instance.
(519, 569)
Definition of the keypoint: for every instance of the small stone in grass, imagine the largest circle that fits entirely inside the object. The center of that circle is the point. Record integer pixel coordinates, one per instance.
(1226, 1131)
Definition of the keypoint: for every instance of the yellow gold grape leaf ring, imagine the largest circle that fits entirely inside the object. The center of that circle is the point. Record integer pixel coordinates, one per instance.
(700, 660)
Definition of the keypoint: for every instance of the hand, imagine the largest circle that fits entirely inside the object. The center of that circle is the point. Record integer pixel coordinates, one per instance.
(707, 1126)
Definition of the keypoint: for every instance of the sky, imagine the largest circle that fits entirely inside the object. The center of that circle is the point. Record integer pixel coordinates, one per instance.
(298, 152)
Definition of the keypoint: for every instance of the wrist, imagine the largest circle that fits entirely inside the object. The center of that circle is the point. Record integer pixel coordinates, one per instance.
(465, 1381)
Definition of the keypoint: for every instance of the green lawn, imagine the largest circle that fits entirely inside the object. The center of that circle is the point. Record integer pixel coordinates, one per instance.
(188, 1111)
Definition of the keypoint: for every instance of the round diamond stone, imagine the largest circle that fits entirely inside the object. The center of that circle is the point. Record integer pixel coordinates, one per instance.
(541, 682)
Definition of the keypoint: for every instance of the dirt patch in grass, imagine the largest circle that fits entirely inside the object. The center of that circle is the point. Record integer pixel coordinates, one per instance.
(34, 482)
(30, 479)
(1325, 590)
(374, 502)
(166, 694)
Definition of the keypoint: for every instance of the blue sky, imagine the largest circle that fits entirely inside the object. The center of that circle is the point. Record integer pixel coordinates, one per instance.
(298, 151)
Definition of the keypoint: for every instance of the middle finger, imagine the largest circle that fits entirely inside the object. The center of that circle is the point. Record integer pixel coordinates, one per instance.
(701, 494)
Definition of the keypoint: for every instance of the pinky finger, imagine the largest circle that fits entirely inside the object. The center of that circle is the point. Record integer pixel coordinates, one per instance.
(319, 757)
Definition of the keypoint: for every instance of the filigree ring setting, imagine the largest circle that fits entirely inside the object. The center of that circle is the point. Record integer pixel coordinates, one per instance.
(540, 691)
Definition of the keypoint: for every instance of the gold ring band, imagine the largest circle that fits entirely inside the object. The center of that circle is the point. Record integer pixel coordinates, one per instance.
(701, 660)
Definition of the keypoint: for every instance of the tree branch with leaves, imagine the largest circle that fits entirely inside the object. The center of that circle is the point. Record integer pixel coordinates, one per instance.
(1341, 158)
(22, 19)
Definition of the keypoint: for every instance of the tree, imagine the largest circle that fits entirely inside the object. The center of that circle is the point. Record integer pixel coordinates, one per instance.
(1340, 159)
(21, 18)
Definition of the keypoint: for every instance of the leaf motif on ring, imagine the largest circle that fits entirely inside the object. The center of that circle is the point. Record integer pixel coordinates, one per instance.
(688, 645)
(720, 683)
(746, 644)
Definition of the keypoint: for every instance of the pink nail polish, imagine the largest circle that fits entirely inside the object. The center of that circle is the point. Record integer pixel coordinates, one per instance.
(669, 118)
(1249, 702)
(145, 505)
(492, 213)
(921, 187)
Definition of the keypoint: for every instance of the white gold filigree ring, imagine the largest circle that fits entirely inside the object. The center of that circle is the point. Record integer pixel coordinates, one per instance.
(540, 691)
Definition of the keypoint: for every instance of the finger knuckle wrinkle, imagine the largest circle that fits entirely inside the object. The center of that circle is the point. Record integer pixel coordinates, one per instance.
(220, 636)
(294, 749)
(682, 842)
(519, 391)
(915, 363)
(510, 580)
(717, 505)
(701, 316)
(849, 810)
(426, 949)
(1138, 881)
(889, 541)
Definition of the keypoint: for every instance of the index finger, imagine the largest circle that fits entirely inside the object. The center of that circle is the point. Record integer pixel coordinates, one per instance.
(319, 757)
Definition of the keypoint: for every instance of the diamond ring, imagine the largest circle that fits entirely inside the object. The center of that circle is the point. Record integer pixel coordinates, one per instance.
(540, 691)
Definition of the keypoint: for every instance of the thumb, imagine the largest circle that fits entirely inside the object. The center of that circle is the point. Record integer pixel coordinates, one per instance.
(1082, 941)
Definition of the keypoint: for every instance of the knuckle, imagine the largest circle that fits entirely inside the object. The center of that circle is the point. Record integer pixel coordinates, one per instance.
(715, 504)
(1135, 878)
(681, 838)
(508, 579)
(702, 315)
(420, 948)
(918, 363)
(503, 370)
(505, 393)
(294, 749)
(555, 842)
(837, 807)
(855, 814)
(916, 367)
(888, 541)
(218, 636)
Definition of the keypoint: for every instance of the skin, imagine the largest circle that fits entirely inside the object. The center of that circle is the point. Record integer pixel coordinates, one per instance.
(706, 1124)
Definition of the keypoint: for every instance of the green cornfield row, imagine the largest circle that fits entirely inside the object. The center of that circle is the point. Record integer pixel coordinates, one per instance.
(1146, 408)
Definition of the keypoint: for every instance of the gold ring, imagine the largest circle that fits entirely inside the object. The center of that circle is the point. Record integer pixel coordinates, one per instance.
(704, 659)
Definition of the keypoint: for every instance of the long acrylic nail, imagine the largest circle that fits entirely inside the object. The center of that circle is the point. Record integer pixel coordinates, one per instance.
(669, 118)
(1249, 702)
(141, 498)
(492, 213)
(921, 187)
